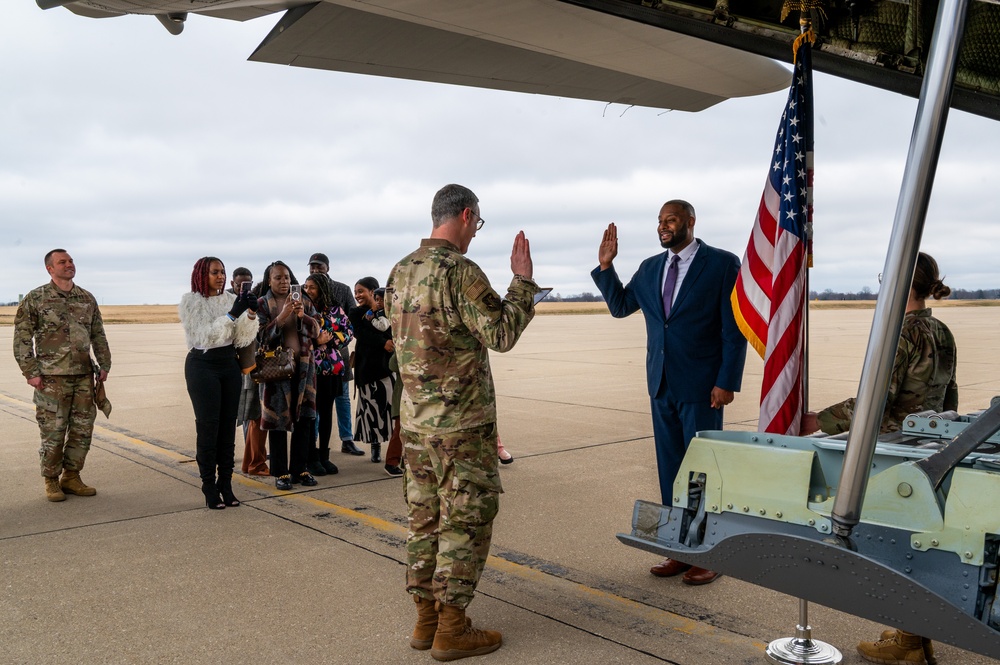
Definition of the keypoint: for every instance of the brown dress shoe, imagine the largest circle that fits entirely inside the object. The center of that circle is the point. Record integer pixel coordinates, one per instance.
(669, 568)
(698, 576)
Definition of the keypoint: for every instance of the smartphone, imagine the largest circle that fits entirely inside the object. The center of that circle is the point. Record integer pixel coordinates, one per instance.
(245, 287)
(296, 292)
(541, 294)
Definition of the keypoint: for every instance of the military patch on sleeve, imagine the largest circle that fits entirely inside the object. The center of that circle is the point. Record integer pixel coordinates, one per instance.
(477, 289)
(484, 298)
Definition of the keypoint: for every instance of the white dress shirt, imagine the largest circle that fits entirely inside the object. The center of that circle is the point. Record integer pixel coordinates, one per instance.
(685, 256)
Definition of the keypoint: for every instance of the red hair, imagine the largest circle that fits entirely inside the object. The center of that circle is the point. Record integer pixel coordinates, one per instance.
(199, 276)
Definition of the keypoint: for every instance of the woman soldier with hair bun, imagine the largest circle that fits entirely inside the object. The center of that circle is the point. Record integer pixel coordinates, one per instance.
(923, 378)
(923, 373)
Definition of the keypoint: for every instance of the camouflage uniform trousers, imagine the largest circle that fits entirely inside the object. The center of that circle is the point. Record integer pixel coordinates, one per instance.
(65, 411)
(452, 495)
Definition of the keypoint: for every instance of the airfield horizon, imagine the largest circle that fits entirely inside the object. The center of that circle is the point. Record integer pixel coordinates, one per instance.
(134, 314)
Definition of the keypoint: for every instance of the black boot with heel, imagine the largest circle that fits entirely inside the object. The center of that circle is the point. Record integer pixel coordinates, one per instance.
(225, 488)
(212, 498)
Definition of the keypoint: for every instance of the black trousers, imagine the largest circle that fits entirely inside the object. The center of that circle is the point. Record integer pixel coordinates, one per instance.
(213, 383)
(302, 438)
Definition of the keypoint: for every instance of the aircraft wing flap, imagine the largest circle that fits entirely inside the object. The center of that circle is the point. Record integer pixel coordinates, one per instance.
(337, 37)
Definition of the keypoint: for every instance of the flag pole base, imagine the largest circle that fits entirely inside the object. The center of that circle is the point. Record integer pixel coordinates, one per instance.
(802, 649)
(797, 651)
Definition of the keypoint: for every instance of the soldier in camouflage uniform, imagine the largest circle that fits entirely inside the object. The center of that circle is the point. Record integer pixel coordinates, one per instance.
(923, 372)
(923, 378)
(54, 329)
(445, 317)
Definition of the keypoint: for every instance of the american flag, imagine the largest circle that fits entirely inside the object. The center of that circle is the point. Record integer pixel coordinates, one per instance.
(770, 292)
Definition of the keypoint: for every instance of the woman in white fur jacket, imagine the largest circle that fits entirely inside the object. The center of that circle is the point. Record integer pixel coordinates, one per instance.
(216, 323)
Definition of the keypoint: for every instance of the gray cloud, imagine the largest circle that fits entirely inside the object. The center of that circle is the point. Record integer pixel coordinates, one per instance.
(140, 152)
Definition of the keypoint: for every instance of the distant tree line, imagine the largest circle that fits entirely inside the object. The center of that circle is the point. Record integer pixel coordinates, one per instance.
(867, 294)
(581, 297)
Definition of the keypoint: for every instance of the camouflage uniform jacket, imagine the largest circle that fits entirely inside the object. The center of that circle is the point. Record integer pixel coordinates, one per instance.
(923, 376)
(54, 331)
(444, 317)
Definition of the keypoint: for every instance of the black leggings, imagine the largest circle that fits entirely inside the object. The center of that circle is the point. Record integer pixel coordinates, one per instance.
(214, 383)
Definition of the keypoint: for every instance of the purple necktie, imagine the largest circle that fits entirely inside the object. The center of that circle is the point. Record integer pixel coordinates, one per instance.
(668, 286)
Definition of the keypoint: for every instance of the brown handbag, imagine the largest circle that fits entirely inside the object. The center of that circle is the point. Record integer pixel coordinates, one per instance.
(273, 365)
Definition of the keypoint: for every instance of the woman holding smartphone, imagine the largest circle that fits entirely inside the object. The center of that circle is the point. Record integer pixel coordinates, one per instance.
(335, 333)
(288, 320)
(216, 324)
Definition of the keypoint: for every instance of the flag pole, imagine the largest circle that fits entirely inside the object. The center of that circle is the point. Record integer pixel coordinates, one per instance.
(802, 649)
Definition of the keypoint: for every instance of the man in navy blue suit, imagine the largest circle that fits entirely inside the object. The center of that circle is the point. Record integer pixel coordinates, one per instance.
(694, 349)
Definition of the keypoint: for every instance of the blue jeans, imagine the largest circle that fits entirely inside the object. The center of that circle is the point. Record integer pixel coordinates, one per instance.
(342, 405)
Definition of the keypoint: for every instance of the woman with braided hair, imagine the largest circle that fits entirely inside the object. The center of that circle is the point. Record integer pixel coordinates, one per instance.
(216, 323)
(335, 332)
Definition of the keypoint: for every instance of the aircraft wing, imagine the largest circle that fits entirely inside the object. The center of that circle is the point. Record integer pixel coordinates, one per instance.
(534, 46)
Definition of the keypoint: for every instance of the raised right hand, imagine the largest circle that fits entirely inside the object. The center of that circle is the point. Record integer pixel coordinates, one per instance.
(608, 250)
(520, 257)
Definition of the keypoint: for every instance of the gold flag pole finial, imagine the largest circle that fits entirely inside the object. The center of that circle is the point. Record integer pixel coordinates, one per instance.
(805, 8)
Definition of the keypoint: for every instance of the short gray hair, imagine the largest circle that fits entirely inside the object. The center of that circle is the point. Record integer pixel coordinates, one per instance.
(450, 201)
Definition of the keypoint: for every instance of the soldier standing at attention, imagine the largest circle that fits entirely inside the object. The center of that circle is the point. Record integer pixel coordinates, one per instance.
(444, 317)
(54, 329)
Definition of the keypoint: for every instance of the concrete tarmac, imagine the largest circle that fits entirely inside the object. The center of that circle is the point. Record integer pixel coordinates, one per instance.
(144, 573)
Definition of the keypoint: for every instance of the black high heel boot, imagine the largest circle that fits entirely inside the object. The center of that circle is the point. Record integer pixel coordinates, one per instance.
(376, 452)
(212, 498)
(225, 488)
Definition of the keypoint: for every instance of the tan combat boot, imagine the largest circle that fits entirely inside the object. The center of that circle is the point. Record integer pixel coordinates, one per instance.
(900, 648)
(926, 642)
(427, 623)
(73, 484)
(455, 638)
(52, 490)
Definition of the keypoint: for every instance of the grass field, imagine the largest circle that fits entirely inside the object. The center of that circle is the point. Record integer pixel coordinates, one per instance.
(168, 313)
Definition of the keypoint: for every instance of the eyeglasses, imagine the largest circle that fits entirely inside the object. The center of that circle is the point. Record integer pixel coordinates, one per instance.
(481, 221)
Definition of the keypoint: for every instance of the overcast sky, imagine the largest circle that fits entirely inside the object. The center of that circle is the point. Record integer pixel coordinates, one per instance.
(139, 152)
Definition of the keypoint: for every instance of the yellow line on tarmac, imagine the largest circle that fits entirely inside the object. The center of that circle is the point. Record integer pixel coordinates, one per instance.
(655, 615)
(112, 434)
(14, 400)
(670, 620)
(374, 522)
